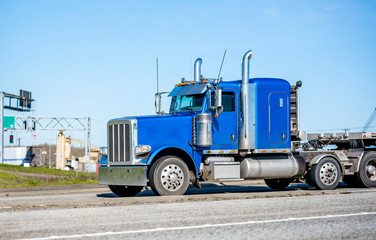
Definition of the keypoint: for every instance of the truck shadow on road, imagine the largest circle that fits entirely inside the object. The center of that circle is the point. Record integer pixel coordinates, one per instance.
(210, 188)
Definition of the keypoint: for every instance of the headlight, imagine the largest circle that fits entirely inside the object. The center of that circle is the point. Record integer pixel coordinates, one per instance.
(142, 149)
(103, 151)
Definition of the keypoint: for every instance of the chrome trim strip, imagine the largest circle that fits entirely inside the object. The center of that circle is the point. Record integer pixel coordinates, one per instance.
(118, 141)
(132, 142)
(216, 152)
(124, 152)
(276, 150)
(113, 141)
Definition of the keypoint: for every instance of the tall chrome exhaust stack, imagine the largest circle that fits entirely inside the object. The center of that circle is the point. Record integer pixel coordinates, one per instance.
(197, 69)
(245, 66)
(244, 141)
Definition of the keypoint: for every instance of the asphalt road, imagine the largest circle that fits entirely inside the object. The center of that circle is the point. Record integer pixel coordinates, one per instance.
(247, 211)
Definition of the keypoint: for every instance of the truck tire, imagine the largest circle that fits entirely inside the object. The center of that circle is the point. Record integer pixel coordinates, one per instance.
(367, 170)
(169, 175)
(125, 191)
(278, 184)
(308, 180)
(326, 174)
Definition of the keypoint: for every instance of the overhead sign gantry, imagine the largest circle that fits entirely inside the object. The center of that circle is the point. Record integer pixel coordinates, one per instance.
(22, 103)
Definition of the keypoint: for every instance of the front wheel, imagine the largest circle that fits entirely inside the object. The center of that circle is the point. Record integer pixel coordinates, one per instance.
(278, 184)
(125, 191)
(169, 175)
(326, 174)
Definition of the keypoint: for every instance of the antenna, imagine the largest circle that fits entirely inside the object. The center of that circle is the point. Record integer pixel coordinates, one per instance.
(157, 76)
(220, 69)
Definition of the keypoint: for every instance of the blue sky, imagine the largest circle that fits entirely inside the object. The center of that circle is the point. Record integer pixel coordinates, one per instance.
(97, 58)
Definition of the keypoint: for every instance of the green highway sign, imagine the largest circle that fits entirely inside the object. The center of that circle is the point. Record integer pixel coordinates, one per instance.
(9, 122)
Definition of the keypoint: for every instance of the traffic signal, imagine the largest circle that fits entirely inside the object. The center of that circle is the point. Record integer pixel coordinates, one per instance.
(11, 138)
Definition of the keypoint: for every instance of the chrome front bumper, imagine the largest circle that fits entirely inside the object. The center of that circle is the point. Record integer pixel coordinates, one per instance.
(127, 175)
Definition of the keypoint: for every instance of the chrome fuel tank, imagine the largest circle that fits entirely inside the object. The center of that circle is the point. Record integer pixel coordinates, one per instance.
(271, 167)
(204, 130)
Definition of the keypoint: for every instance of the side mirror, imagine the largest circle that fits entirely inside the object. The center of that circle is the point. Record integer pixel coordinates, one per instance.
(218, 100)
(158, 103)
(218, 108)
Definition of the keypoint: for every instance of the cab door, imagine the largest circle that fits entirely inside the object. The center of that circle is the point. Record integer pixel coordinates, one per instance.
(225, 126)
(278, 118)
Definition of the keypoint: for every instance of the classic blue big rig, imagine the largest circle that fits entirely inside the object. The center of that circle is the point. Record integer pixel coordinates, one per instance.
(230, 130)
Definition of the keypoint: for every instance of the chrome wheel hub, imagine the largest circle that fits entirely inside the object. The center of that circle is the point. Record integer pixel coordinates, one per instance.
(328, 173)
(371, 170)
(172, 177)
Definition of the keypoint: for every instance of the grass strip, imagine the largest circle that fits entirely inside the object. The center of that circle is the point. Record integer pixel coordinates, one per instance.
(8, 180)
(17, 176)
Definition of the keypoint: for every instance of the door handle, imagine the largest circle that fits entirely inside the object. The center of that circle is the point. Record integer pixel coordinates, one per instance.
(232, 137)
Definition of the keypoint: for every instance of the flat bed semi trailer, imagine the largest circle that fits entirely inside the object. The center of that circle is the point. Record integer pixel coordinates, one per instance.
(354, 151)
(231, 130)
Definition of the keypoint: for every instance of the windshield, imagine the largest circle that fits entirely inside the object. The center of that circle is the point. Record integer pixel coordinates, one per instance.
(187, 103)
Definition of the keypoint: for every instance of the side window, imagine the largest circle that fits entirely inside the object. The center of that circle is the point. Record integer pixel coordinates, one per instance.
(228, 101)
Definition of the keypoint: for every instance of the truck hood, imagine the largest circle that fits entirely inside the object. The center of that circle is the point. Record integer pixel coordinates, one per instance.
(164, 131)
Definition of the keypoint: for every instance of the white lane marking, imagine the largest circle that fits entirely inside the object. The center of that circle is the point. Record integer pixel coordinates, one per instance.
(201, 226)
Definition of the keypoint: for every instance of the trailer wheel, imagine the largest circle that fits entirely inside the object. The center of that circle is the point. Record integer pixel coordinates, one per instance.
(278, 184)
(169, 175)
(125, 191)
(367, 170)
(326, 174)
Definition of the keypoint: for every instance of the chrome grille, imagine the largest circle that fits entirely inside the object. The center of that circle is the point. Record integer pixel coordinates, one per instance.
(119, 143)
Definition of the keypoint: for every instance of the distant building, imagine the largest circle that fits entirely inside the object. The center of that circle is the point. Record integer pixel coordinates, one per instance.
(21, 155)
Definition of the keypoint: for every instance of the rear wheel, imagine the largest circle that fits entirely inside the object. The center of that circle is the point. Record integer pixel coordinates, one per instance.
(125, 191)
(326, 174)
(169, 175)
(367, 170)
(278, 183)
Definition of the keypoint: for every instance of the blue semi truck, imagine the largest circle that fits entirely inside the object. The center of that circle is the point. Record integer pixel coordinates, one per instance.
(230, 130)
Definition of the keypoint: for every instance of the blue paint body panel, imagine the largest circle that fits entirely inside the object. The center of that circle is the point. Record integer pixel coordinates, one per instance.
(168, 131)
(103, 161)
(272, 119)
(271, 122)
(227, 123)
(159, 131)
